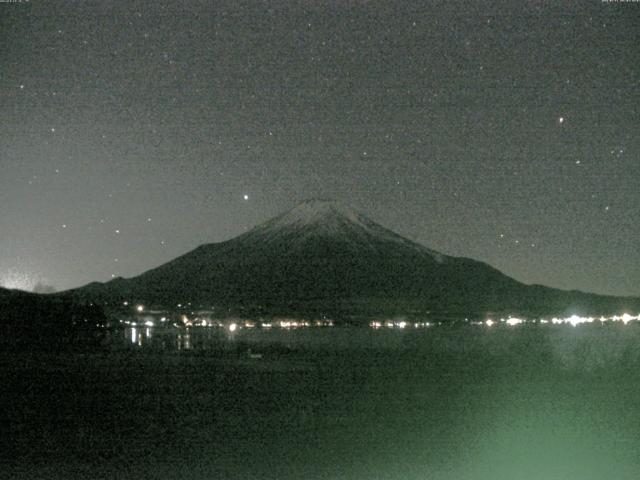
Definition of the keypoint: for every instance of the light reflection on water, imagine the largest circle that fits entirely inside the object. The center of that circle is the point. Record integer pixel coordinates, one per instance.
(184, 338)
(202, 338)
(586, 347)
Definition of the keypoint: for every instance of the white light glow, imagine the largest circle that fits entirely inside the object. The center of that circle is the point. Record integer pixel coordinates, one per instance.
(514, 321)
(626, 318)
(233, 327)
(14, 279)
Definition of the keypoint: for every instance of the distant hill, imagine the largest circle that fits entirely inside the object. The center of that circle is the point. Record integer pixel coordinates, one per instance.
(29, 320)
(321, 257)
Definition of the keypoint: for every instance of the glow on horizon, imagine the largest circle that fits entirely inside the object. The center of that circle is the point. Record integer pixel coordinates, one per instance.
(14, 280)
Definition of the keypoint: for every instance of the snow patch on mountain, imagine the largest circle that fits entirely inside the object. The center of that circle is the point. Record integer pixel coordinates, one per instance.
(316, 213)
(328, 218)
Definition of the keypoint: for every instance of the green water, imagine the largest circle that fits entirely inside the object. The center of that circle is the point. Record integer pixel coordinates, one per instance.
(456, 405)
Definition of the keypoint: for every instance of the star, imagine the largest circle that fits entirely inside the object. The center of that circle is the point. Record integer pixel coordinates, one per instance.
(21, 87)
(246, 197)
(561, 120)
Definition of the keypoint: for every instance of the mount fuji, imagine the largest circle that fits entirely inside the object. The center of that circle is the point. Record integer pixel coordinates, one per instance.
(322, 257)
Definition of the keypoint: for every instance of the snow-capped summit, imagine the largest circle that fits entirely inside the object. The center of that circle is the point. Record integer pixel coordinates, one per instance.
(316, 211)
(328, 219)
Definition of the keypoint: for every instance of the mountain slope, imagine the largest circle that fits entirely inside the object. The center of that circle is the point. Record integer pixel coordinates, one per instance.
(323, 257)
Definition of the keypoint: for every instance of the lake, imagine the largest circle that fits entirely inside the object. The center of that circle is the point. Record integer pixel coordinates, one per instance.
(454, 403)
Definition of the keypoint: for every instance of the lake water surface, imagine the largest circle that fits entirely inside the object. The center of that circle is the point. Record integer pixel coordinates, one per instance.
(334, 403)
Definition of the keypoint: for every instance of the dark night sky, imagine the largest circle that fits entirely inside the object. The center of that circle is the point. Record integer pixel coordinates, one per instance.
(131, 132)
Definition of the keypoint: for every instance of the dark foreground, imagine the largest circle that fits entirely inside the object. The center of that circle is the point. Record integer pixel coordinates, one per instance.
(454, 405)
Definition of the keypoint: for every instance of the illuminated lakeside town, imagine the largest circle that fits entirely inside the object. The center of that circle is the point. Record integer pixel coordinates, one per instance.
(156, 318)
(139, 326)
